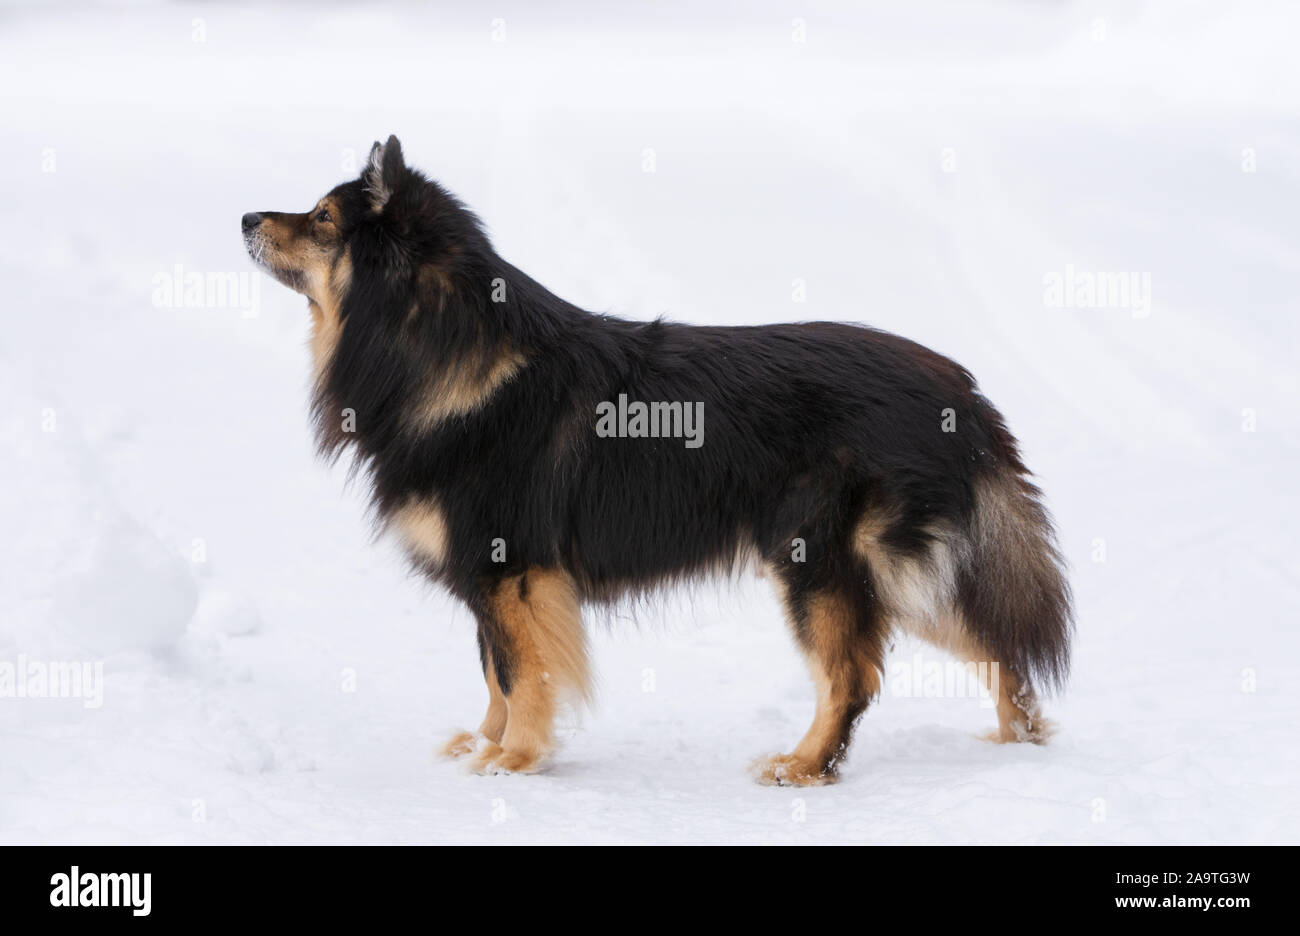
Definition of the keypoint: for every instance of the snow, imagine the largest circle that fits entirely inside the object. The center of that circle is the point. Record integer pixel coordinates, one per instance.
(270, 674)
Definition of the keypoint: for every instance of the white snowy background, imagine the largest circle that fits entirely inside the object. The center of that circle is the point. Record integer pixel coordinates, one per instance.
(271, 675)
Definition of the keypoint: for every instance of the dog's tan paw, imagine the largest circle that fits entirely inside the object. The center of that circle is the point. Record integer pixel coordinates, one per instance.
(1038, 731)
(493, 759)
(788, 770)
(519, 762)
(461, 744)
(487, 754)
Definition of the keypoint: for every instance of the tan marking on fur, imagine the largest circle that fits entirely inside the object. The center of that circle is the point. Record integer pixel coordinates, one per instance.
(947, 632)
(433, 281)
(326, 320)
(917, 592)
(846, 673)
(463, 386)
(434, 278)
(494, 722)
(460, 744)
(422, 526)
(540, 614)
(1019, 716)
(308, 258)
(840, 666)
(295, 244)
(460, 386)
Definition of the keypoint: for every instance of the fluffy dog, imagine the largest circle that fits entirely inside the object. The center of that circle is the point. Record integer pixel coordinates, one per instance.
(535, 457)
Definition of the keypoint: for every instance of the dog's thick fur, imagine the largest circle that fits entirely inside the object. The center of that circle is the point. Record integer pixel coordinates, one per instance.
(879, 489)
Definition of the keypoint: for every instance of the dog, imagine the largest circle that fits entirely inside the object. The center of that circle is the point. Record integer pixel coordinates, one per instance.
(535, 458)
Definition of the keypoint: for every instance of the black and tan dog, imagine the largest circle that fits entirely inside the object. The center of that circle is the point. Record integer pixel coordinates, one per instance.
(535, 457)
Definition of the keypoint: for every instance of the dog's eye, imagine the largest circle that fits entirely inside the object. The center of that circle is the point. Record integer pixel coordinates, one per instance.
(323, 217)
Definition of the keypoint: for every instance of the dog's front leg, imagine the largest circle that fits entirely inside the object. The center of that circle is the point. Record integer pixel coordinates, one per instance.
(494, 722)
(535, 650)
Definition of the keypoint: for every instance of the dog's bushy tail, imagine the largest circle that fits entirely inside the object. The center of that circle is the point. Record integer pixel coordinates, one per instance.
(1013, 591)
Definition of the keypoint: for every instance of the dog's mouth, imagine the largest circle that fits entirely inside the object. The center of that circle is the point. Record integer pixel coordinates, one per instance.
(255, 244)
(259, 250)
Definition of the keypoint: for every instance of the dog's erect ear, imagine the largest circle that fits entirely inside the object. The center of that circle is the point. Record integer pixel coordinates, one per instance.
(383, 173)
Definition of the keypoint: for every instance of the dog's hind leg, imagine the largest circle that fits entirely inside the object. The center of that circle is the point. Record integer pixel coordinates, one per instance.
(1014, 602)
(990, 591)
(494, 722)
(1019, 717)
(843, 642)
(533, 631)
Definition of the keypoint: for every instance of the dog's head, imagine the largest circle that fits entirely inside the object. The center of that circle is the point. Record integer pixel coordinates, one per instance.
(391, 219)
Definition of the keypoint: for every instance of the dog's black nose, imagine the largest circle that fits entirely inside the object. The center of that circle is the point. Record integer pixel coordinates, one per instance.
(252, 220)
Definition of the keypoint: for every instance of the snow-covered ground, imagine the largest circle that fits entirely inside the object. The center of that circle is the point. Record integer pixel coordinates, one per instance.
(271, 675)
